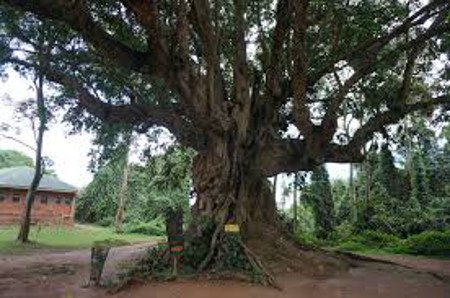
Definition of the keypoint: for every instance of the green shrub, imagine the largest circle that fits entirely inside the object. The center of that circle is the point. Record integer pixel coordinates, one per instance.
(106, 221)
(342, 232)
(375, 239)
(152, 228)
(429, 243)
(311, 240)
(372, 240)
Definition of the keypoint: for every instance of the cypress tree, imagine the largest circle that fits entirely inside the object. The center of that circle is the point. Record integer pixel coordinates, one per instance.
(419, 180)
(320, 198)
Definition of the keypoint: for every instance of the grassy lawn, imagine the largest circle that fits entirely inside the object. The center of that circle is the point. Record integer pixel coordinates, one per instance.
(80, 236)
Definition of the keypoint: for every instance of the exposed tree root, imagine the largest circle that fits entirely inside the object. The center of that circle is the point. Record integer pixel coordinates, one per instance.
(270, 251)
(257, 258)
(257, 264)
(280, 254)
(212, 247)
(250, 256)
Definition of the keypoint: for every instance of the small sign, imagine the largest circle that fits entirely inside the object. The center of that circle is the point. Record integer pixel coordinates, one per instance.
(176, 250)
(176, 244)
(232, 228)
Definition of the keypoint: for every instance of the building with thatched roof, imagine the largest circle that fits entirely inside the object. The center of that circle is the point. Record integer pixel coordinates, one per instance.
(54, 202)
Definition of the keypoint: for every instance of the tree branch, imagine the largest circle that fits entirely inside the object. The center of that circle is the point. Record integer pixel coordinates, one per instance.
(299, 80)
(292, 155)
(76, 14)
(365, 132)
(5, 136)
(279, 35)
(329, 123)
(134, 113)
(147, 14)
(374, 45)
(242, 111)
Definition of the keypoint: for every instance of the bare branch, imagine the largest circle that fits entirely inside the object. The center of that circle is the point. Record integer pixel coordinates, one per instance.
(17, 140)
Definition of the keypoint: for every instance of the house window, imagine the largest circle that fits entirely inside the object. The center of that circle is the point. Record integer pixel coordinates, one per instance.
(16, 198)
(58, 201)
(2, 197)
(68, 201)
(44, 200)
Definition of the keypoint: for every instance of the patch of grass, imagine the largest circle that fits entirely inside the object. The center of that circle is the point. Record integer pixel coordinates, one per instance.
(80, 236)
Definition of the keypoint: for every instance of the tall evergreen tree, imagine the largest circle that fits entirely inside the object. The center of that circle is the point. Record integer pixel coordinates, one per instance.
(318, 195)
(420, 191)
(386, 174)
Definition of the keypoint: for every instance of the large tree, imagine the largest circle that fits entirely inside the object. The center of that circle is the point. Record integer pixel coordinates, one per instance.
(255, 87)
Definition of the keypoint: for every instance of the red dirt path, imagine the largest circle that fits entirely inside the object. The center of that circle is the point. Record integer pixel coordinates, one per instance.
(51, 274)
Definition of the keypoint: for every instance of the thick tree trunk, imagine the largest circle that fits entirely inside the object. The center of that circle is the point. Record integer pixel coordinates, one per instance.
(229, 187)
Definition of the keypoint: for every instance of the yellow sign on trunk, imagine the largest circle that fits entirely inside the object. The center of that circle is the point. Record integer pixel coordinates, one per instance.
(232, 228)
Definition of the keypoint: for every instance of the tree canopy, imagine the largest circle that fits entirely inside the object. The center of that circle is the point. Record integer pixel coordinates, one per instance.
(253, 70)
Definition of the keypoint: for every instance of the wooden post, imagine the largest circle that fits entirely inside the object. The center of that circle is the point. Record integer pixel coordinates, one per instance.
(174, 231)
(98, 259)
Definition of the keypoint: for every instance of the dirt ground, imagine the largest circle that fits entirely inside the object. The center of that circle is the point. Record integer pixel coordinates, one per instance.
(62, 274)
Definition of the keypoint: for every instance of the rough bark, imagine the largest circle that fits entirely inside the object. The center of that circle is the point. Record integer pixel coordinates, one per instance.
(245, 195)
(230, 185)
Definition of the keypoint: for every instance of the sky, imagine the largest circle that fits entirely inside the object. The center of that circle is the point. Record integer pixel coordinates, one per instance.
(69, 152)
